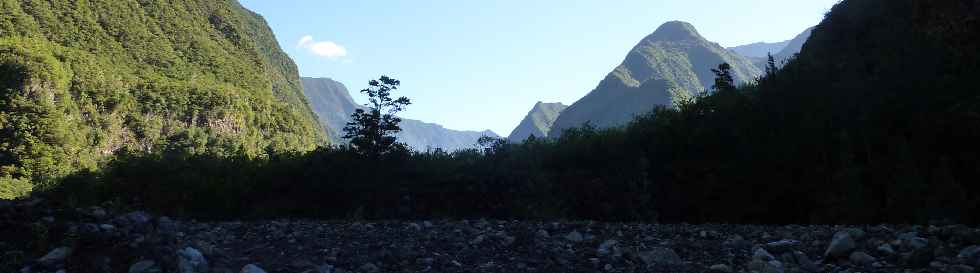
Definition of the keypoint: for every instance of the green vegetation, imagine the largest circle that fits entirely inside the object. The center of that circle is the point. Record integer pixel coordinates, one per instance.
(82, 80)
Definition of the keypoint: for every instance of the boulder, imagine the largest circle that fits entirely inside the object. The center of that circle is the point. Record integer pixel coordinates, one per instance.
(251, 268)
(970, 255)
(782, 246)
(145, 266)
(574, 237)
(862, 259)
(55, 257)
(659, 255)
(190, 260)
(840, 246)
(720, 268)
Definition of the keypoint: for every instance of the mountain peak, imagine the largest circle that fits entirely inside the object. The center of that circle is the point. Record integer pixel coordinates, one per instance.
(675, 31)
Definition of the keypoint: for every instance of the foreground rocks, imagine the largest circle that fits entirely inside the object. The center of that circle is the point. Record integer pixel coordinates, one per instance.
(99, 240)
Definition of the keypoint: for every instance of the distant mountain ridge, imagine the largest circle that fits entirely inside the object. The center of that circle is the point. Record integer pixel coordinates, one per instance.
(671, 64)
(760, 49)
(538, 121)
(333, 105)
(781, 52)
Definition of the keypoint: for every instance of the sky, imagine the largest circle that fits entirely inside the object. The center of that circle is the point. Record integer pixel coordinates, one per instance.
(482, 64)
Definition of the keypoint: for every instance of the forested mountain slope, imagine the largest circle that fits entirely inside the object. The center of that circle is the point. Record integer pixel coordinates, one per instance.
(672, 64)
(81, 80)
(538, 121)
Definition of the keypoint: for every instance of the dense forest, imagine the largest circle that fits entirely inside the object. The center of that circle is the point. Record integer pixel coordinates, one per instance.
(874, 121)
(82, 80)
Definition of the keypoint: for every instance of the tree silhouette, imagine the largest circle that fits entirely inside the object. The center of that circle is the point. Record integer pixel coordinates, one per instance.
(372, 132)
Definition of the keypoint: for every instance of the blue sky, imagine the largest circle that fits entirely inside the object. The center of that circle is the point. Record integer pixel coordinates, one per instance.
(476, 65)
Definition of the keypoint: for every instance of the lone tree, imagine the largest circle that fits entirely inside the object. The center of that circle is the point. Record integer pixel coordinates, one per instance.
(723, 78)
(372, 132)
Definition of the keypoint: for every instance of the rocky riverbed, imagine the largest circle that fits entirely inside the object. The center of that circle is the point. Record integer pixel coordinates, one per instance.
(94, 239)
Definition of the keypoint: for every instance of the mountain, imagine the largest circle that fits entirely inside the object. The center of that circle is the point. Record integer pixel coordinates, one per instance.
(794, 47)
(538, 121)
(81, 80)
(759, 49)
(759, 52)
(333, 104)
(671, 64)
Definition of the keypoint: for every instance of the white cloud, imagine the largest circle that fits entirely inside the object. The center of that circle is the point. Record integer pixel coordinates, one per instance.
(324, 49)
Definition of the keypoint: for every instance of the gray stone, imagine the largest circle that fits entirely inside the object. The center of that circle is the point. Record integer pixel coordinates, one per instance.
(961, 268)
(766, 267)
(862, 259)
(912, 240)
(856, 233)
(840, 246)
(190, 260)
(97, 212)
(782, 246)
(575, 237)
(369, 268)
(166, 225)
(804, 262)
(138, 218)
(145, 266)
(659, 255)
(251, 268)
(478, 240)
(720, 268)
(886, 249)
(609, 247)
(970, 255)
(762, 255)
(55, 257)
(542, 234)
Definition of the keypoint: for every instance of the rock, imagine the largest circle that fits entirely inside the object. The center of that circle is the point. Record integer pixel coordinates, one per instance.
(720, 268)
(166, 225)
(886, 249)
(137, 218)
(251, 268)
(427, 224)
(145, 266)
(919, 258)
(609, 247)
(856, 233)
(97, 213)
(766, 267)
(862, 259)
(575, 237)
(369, 268)
(840, 246)
(762, 255)
(55, 257)
(912, 240)
(542, 234)
(970, 255)
(478, 240)
(659, 255)
(782, 246)
(804, 262)
(190, 260)
(961, 268)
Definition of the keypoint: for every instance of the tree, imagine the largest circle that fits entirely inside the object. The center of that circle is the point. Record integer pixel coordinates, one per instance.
(771, 67)
(723, 78)
(372, 132)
